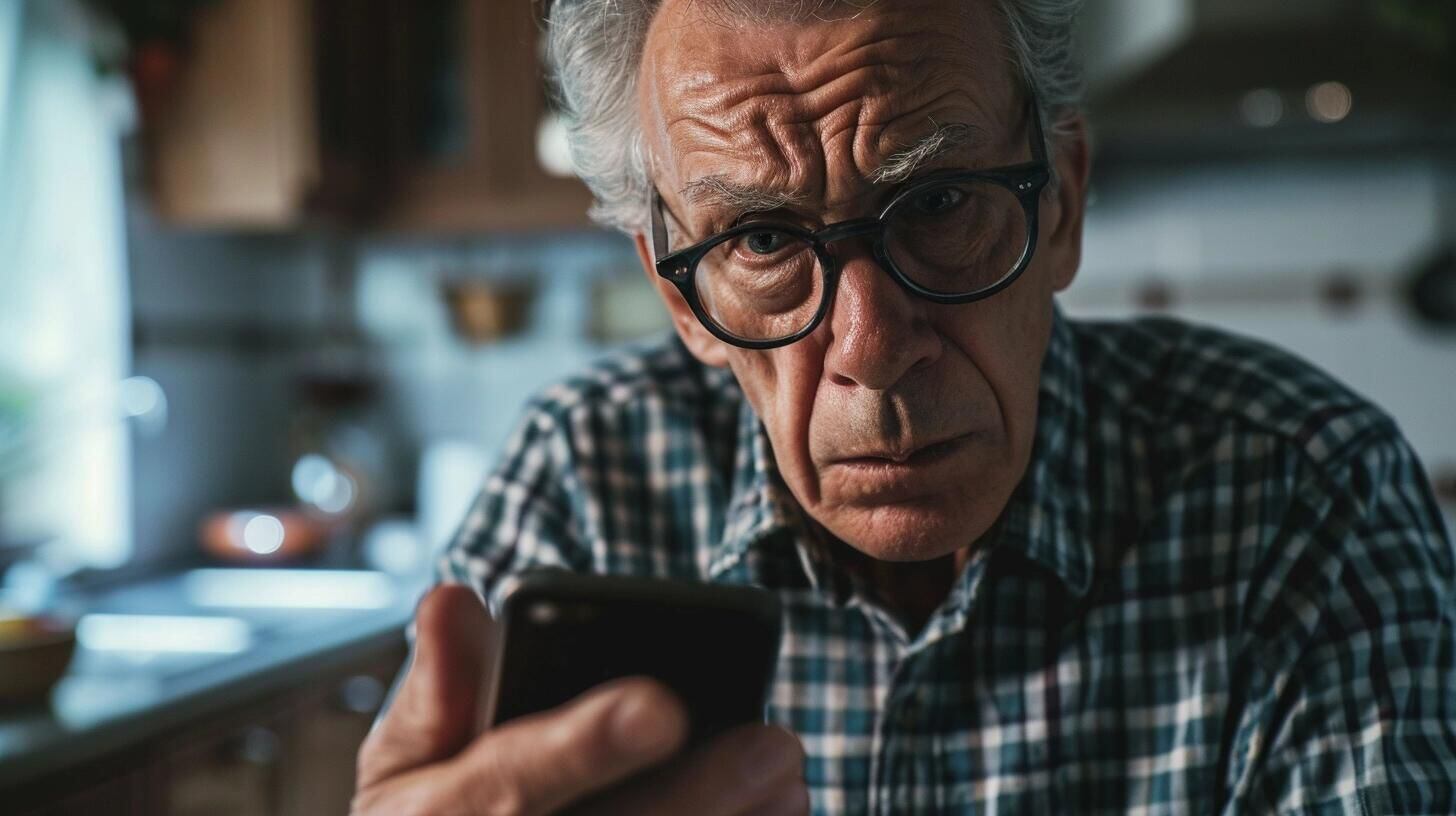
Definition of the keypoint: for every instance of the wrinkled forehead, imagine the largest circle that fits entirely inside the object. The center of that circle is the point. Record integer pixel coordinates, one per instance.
(816, 103)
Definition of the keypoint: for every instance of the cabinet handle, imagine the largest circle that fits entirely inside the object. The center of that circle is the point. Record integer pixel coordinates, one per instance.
(258, 746)
(361, 694)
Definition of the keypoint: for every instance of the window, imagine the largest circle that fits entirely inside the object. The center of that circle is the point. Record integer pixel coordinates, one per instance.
(63, 311)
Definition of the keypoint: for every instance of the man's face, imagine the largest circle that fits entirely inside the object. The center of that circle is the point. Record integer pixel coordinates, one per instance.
(901, 426)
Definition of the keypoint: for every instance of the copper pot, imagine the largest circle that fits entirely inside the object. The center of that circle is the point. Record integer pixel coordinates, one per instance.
(263, 536)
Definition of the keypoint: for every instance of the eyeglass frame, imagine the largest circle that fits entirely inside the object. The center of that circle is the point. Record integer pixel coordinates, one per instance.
(1025, 180)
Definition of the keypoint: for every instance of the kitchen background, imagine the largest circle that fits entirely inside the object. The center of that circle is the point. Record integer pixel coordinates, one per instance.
(276, 277)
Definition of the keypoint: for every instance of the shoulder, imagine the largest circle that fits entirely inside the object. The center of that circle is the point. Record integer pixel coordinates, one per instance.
(1179, 377)
(648, 408)
(649, 395)
(659, 371)
(618, 469)
(1270, 473)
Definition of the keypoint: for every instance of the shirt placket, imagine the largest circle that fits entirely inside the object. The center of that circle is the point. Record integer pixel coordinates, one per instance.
(903, 762)
(906, 764)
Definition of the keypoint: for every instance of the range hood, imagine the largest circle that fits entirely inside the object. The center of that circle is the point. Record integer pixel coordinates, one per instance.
(1174, 77)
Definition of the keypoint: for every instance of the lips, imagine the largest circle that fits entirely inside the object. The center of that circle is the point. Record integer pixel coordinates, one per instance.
(899, 477)
(915, 456)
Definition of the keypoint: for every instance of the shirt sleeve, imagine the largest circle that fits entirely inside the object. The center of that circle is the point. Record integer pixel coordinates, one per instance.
(1344, 697)
(522, 517)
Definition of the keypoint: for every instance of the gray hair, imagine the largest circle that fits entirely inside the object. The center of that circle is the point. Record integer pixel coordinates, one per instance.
(593, 48)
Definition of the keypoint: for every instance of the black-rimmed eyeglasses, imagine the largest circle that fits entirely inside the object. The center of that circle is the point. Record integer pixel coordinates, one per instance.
(954, 236)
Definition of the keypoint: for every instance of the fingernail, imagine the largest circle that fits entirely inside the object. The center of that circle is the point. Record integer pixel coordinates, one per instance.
(639, 724)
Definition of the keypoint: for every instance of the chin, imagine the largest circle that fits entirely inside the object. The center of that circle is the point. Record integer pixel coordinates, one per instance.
(910, 531)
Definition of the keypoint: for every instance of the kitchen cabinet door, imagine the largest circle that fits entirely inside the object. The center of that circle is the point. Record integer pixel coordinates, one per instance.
(331, 725)
(418, 117)
(472, 101)
(238, 770)
(130, 793)
(235, 144)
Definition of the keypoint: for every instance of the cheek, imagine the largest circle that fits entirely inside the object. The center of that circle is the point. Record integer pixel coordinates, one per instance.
(1005, 338)
(781, 385)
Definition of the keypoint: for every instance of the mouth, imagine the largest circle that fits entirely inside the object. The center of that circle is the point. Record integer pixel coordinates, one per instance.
(922, 456)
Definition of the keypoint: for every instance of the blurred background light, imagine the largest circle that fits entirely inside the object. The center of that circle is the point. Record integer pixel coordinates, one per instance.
(288, 588)
(1262, 107)
(144, 401)
(318, 482)
(263, 534)
(163, 633)
(1329, 102)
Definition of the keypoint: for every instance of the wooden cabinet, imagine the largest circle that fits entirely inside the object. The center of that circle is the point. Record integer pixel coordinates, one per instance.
(235, 145)
(238, 769)
(290, 753)
(467, 157)
(333, 721)
(394, 115)
(130, 792)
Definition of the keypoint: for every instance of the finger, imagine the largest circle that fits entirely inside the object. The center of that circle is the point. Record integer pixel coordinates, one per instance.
(787, 799)
(542, 763)
(433, 716)
(736, 773)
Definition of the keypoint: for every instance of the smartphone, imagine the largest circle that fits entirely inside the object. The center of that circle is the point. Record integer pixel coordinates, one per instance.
(565, 633)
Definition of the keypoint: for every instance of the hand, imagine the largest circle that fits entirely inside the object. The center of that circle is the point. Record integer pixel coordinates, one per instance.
(590, 754)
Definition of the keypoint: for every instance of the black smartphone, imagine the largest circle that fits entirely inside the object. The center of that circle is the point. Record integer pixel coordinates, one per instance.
(564, 633)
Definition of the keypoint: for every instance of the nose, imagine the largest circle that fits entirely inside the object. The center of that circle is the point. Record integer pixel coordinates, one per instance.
(880, 332)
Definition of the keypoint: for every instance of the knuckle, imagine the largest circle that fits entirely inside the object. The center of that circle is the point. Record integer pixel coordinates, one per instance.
(508, 782)
(578, 747)
(364, 803)
(368, 752)
(505, 798)
(386, 801)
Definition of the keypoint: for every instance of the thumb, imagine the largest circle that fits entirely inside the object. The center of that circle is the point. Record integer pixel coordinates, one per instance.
(433, 715)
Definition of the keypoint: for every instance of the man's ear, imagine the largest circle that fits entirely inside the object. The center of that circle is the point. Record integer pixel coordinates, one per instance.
(1073, 160)
(708, 349)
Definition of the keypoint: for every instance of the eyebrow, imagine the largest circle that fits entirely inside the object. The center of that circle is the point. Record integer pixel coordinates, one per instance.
(738, 199)
(720, 191)
(902, 164)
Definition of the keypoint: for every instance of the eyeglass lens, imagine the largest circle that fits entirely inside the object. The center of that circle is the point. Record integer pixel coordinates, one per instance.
(955, 238)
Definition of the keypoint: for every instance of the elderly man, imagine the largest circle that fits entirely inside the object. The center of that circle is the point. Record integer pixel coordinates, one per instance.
(1028, 565)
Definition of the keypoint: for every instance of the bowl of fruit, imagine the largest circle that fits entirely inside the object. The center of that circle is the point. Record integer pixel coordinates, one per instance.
(35, 651)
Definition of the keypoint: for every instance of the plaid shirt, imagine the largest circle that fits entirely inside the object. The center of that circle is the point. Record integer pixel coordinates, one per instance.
(1222, 586)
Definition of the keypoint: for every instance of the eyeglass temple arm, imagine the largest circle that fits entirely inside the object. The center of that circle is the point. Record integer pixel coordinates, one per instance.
(659, 229)
(1038, 137)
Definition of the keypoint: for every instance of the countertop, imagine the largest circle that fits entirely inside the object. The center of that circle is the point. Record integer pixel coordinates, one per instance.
(157, 654)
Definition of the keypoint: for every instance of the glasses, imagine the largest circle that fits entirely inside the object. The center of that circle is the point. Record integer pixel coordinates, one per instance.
(955, 236)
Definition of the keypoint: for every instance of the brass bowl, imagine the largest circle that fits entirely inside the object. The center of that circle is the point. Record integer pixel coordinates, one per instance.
(34, 655)
(482, 312)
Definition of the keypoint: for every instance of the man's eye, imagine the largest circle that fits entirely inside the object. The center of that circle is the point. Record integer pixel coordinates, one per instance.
(765, 243)
(937, 201)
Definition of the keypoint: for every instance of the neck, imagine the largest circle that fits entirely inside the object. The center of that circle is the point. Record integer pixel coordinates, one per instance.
(912, 590)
